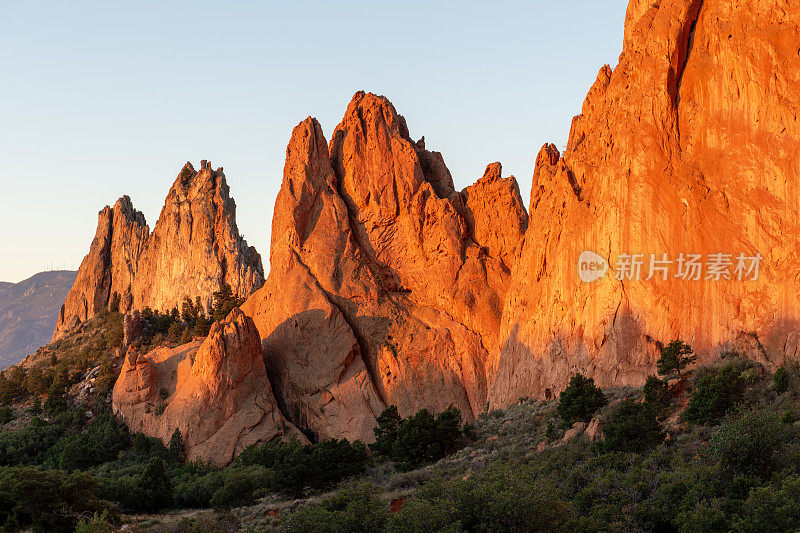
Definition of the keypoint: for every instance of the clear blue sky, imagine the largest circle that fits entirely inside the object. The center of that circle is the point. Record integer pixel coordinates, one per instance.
(101, 99)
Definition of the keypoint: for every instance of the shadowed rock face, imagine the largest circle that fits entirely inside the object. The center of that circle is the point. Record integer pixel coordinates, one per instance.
(216, 393)
(194, 248)
(385, 284)
(689, 146)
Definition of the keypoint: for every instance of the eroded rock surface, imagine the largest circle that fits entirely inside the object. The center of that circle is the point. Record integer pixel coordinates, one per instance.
(109, 266)
(215, 391)
(385, 284)
(688, 146)
(195, 245)
(194, 248)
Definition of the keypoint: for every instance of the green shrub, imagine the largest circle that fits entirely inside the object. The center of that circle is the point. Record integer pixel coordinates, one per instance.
(195, 485)
(751, 442)
(223, 303)
(239, 488)
(156, 486)
(293, 466)
(176, 451)
(505, 497)
(714, 394)
(418, 439)
(186, 176)
(350, 510)
(6, 415)
(419, 516)
(656, 393)
(632, 427)
(145, 447)
(580, 400)
(775, 507)
(46, 500)
(99, 523)
(675, 356)
(781, 380)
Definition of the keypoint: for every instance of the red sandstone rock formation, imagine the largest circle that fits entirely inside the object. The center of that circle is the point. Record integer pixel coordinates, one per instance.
(194, 248)
(386, 284)
(195, 245)
(216, 392)
(688, 146)
(109, 267)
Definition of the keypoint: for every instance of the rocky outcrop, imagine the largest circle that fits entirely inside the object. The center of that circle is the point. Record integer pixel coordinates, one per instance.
(215, 391)
(388, 286)
(385, 284)
(194, 248)
(687, 147)
(486, 208)
(198, 222)
(108, 268)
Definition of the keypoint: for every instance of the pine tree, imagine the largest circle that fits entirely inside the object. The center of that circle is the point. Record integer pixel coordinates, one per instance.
(176, 451)
(675, 356)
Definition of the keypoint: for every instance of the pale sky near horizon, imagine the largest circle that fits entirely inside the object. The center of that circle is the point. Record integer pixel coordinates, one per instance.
(101, 99)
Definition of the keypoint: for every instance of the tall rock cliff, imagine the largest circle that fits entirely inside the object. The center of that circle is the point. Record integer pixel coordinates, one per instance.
(689, 146)
(385, 285)
(388, 286)
(109, 267)
(195, 247)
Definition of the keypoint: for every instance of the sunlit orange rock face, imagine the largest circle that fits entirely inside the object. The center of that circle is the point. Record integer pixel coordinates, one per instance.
(386, 284)
(690, 145)
(194, 248)
(109, 266)
(215, 391)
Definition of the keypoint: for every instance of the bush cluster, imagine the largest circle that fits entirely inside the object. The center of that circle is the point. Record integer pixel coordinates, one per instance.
(714, 393)
(419, 439)
(580, 400)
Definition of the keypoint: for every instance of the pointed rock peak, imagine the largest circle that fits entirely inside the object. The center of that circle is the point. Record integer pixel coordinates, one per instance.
(548, 156)
(367, 110)
(493, 172)
(192, 183)
(186, 175)
(307, 159)
(307, 139)
(124, 207)
(597, 90)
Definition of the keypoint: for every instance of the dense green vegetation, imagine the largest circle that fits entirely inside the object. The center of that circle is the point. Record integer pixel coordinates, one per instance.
(418, 439)
(675, 357)
(728, 461)
(580, 400)
(737, 470)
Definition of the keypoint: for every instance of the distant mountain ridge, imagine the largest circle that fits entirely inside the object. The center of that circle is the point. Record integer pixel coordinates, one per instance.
(28, 312)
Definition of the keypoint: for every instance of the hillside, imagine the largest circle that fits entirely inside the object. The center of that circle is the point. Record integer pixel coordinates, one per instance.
(28, 313)
(713, 448)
